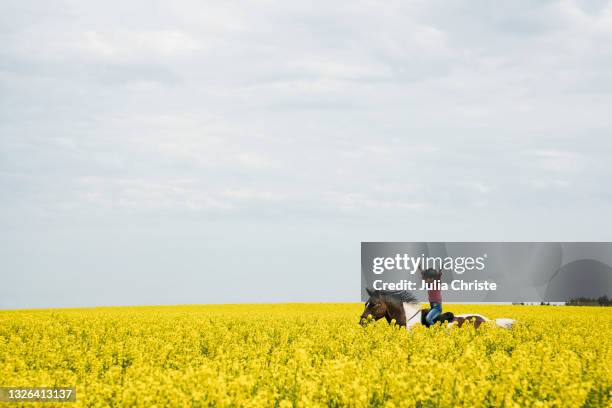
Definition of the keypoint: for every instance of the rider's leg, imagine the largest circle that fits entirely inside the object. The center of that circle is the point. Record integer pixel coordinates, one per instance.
(436, 310)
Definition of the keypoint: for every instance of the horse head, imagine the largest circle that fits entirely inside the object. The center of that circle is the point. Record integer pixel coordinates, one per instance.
(375, 308)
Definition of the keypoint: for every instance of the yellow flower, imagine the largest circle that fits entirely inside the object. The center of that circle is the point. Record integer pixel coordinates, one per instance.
(308, 356)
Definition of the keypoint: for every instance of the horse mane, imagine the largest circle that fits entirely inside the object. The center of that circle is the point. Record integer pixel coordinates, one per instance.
(398, 295)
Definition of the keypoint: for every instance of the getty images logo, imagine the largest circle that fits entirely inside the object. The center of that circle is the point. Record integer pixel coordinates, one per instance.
(411, 264)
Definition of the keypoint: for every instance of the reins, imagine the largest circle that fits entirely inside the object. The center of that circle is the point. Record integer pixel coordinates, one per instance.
(418, 311)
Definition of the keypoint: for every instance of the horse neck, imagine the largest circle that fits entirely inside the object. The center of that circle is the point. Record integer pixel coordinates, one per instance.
(411, 310)
(396, 311)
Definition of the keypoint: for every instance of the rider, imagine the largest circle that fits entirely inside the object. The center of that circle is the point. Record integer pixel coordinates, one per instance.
(435, 295)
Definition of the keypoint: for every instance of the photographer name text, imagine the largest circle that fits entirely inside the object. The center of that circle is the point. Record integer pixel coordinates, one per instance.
(456, 285)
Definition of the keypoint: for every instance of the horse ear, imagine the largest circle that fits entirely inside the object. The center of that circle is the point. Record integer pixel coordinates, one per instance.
(370, 292)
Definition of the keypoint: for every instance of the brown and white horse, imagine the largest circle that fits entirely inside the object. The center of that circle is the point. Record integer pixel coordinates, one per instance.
(403, 307)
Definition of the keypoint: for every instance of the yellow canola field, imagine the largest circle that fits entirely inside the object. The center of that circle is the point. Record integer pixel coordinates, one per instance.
(308, 355)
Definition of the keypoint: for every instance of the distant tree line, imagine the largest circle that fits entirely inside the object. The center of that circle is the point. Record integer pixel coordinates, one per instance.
(583, 301)
(580, 301)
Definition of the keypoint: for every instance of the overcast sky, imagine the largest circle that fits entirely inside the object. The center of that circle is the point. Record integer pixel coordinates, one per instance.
(197, 152)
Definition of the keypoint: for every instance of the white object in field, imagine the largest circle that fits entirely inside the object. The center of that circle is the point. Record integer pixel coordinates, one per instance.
(504, 323)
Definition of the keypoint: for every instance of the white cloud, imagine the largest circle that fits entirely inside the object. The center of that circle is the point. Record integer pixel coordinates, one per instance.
(125, 45)
(556, 160)
(478, 186)
(251, 195)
